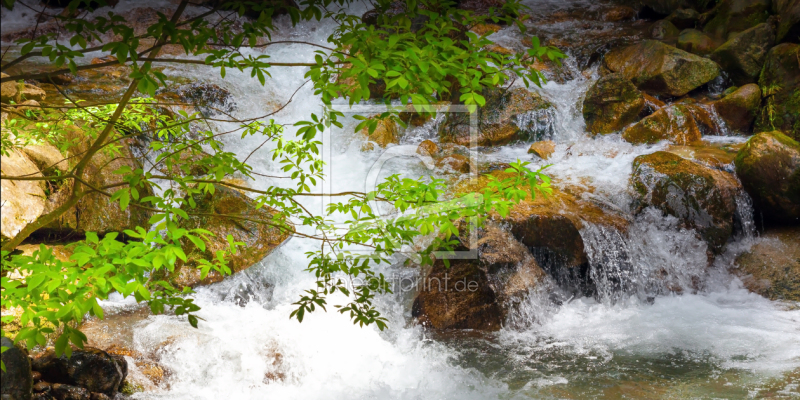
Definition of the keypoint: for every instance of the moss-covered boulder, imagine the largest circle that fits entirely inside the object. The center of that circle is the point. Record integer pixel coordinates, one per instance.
(660, 69)
(789, 24)
(21, 202)
(228, 212)
(674, 123)
(739, 109)
(743, 56)
(771, 267)
(731, 16)
(780, 86)
(702, 198)
(769, 167)
(696, 42)
(509, 115)
(478, 293)
(612, 103)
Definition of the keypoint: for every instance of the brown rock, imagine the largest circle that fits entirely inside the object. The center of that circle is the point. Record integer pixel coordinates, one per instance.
(780, 86)
(455, 162)
(384, 134)
(743, 56)
(46, 157)
(739, 109)
(8, 90)
(619, 13)
(611, 104)
(771, 267)
(674, 123)
(428, 148)
(696, 42)
(22, 202)
(543, 149)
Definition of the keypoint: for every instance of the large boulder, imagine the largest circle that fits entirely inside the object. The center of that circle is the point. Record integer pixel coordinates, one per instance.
(8, 90)
(771, 267)
(611, 104)
(96, 212)
(90, 368)
(732, 16)
(509, 115)
(550, 227)
(769, 168)
(739, 109)
(21, 202)
(780, 86)
(674, 123)
(16, 380)
(702, 198)
(228, 212)
(743, 56)
(660, 69)
(478, 293)
(696, 42)
(789, 24)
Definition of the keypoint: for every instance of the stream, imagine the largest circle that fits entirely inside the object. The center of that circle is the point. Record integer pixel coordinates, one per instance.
(711, 338)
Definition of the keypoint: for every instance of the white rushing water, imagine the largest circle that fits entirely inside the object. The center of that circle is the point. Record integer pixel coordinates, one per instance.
(255, 351)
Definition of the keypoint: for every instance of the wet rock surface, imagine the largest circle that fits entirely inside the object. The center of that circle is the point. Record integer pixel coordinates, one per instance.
(739, 109)
(674, 123)
(16, 381)
(509, 116)
(743, 56)
(86, 371)
(704, 199)
(780, 86)
(769, 167)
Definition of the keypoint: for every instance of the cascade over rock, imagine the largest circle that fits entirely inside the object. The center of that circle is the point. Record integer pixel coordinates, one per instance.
(611, 104)
(702, 198)
(509, 115)
(660, 69)
(769, 167)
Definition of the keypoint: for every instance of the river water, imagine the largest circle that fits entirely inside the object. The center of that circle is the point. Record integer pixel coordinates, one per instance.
(719, 341)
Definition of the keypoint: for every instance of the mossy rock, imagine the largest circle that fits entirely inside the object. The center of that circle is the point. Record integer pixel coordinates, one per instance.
(684, 18)
(665, 31)
(789, 25)
(674, 123)
(780, 86)
(660, 69)
(611, 104)
(743, 56)
(771, 267)
(731, 16)
(228, 212)
(696, 42)
(769, 167)
(739, 108)
(509, 115)
(702, 198)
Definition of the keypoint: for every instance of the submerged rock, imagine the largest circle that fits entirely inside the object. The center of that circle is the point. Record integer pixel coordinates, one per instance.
(771, 267)
(509, 115)
(259, 239)
(16, 382)
(769, 168)
(611, 104)
(660, 69)
(674, 123)
(743, 56)
(477, 294)
(21, 202)
(780, 86)
(702, 198)
(90, 369)
(739, 109)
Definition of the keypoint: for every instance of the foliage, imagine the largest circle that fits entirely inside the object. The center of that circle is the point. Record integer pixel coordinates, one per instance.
(422, 55)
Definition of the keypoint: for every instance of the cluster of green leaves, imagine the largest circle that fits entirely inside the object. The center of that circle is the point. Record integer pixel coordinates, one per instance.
(421, 55)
